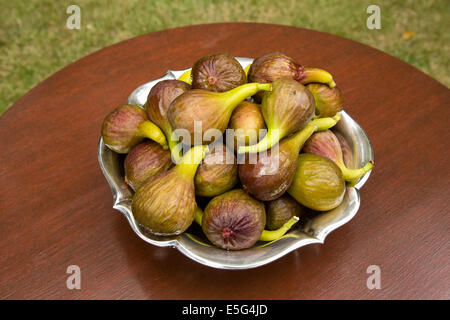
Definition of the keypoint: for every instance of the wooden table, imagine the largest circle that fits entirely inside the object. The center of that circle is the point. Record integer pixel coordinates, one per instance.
(55, 204)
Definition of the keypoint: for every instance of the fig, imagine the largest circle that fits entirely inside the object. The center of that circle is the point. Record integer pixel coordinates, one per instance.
(266, 235)
(128, 125)
(197, 111)
(144, 161)
(217, 173)
(329, 101)
(280, 210)
(275, 65)
(234, 220)
(326, 144)
(287, 108)
(246, 122)
(318, 183)
(218, 72)
(158, 101)
(347, 153)
(271, 174)
(165, 204)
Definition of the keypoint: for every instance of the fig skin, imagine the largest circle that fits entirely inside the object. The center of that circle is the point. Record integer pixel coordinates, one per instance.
(218, 72)
(128, 125)
(280, 210)
(347, 153)
(165, 204)
(211, 109)
(329, 101)
(276, 65)
(272, 173)
(158, 102)
(287, 108)
(234, 220)
(145, 160)
(217, 173)
(246, 121)
(326, 144)
(318, 183)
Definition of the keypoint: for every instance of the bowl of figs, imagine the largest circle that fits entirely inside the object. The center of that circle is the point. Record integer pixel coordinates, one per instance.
(235, 161)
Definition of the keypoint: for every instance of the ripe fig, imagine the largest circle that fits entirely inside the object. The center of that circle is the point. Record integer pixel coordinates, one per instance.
(280, 210)
(347, 153)
(234, 220)
(158, 102)
(275, 65)
(326, 144)
(218, 72)
(329, 101)
(217, 173)
(198, 111)
(144, 161)
(165, 204)
(286, 109)
(128, 125)
(246, 121)
(271, 174)
(318, 183)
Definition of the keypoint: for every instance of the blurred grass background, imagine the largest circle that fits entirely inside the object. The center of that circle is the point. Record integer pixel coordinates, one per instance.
(35, 43)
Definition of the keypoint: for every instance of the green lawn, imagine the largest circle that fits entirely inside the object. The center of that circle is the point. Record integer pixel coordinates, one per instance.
(34, 42)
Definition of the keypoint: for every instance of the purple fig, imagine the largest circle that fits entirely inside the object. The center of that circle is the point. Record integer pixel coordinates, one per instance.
(347, 152)
(234, 220)
(287, 108)
(144, 161)
(199, 111)
(126, 126)
(329, 101)
(218, 72)
(326, 144)
(217, 173)
(246, 121)
(165, 204)
(158, 102)
(281, 210)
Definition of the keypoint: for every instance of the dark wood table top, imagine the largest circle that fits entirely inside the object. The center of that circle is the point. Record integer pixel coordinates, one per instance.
(56, 206)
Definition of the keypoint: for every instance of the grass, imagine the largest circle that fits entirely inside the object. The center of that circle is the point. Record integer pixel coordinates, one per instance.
(34, 42)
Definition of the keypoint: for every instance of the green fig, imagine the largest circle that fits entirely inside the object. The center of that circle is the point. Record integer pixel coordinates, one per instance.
(275, 65)
(271, 174)
(326, 144)
(247, 123)
(199, 111)
(287, 108)
(234, 220)
(144, 161)
(165, 204)
(218, 72)
(217, 173)
(347, 152)
(318, 183)
(329, 101)
(158, 102)
(281, 210)
(126, 126)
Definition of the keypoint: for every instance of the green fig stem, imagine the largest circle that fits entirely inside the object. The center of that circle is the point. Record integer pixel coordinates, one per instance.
(270, 139)
(174, 145)
(186, 76)
(148, 129)
(190, 161)
(198, 216)
(317, 75)
(354, 174)
(235, 96)
(267, 235)
(323, 124)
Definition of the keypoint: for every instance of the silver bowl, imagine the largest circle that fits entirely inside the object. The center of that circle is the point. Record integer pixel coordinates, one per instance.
(196, 248)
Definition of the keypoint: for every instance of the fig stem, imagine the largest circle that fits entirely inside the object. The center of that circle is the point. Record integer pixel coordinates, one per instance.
(317, 75)
(174, 145)
(267, 235)
(198, 216)
(235, 96)
(354, 174)
(323, 124)
(190, 161)
(148, 129)
(270, 139)
(186, 76)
